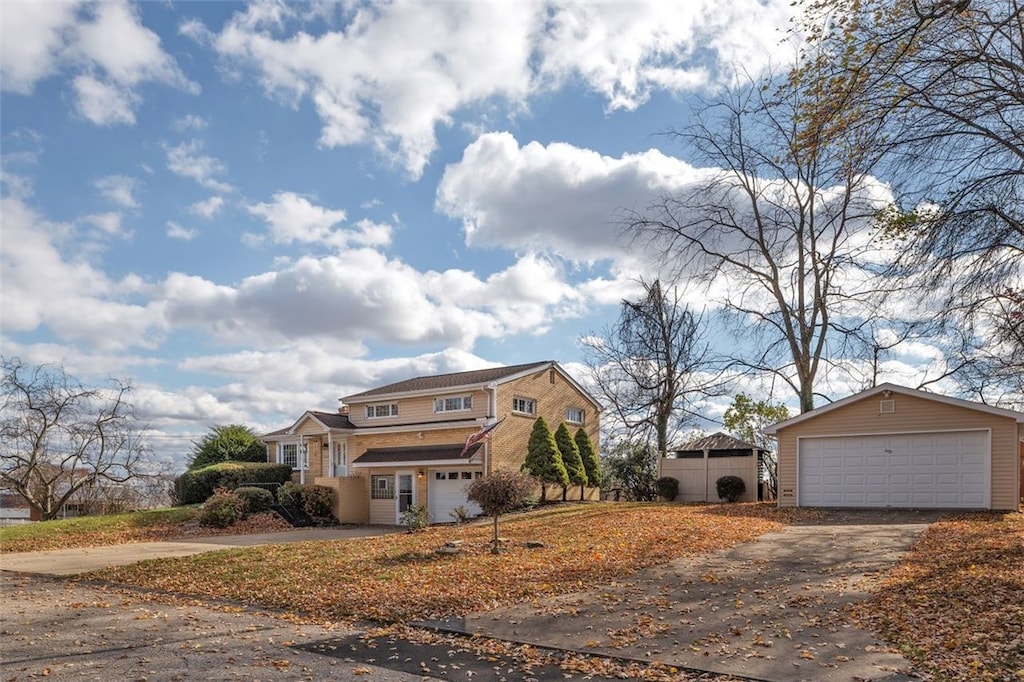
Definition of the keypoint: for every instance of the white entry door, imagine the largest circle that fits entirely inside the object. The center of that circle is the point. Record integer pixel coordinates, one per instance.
(925, 470)
(405, 493)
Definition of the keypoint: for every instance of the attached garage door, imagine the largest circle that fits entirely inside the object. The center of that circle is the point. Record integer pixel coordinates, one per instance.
(447, 490)
(940, 470)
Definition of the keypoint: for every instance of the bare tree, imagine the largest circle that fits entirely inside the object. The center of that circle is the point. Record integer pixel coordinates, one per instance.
(935, 86)
(61, 440)
(649, 366)
(745, 419)
(777, 230)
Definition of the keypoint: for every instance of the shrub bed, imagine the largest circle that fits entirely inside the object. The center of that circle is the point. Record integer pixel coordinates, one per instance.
(195, 487)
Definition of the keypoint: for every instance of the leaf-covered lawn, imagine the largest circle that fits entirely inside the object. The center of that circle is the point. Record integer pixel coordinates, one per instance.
(117, 529)
(396, 578)
(955, 605)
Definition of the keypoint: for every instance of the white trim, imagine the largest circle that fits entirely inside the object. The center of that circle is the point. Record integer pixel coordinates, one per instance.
(291, 430)
(475, 461)
(882, 434)
(411, 473)
(894, 388)
(413, 428)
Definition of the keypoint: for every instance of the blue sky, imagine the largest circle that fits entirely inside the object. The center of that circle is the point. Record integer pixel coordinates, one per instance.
(252, 210)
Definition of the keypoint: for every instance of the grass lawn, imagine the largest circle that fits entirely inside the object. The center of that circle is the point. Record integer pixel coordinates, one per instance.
(397, 578)
(955, 605)
(116, 529)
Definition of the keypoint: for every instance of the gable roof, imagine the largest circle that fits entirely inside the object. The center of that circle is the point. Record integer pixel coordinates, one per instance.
(718, 441)
(473, 379)
(896, 388)
(329, 420)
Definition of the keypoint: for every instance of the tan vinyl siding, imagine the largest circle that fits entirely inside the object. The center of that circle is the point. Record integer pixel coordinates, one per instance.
(419, 410)
(912, 414)
(384, 512)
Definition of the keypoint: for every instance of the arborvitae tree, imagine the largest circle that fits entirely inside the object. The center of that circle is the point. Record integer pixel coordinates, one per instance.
(570, 458)
(589, 458)
(543, 460)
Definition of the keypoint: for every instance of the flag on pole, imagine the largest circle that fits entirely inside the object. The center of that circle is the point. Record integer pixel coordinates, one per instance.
(477, 436)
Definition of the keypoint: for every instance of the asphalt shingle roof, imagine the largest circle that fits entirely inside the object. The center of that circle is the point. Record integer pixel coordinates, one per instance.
(435, 382)
(421, 453)
(333, 420)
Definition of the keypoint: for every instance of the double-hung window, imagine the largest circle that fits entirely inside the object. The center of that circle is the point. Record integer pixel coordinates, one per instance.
(524, 405)
(458, 403)
(289, 454)
(382, 410)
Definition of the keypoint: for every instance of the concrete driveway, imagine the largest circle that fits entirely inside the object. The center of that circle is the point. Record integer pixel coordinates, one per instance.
(767, 610)
(74, 561)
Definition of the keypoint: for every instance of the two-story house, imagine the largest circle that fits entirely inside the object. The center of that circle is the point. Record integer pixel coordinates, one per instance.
(404, 444)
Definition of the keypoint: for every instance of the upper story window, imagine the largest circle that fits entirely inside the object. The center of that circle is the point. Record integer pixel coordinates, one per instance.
(574, 415)
(458, 403)
(383, 410)
(524, 405)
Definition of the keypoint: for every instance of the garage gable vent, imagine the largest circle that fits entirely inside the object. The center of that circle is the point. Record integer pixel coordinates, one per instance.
(887, 406)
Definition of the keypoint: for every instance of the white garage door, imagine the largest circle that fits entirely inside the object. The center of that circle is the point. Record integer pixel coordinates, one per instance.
(446, 491)
(941, 470)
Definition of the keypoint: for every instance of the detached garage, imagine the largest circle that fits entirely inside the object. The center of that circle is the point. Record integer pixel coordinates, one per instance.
(892, 446)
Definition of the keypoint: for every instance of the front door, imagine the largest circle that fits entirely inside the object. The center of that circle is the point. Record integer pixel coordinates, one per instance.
(405, 492)
(339, 459)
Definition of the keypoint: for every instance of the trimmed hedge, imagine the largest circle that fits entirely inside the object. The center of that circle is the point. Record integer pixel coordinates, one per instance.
(730, 488)
(223, 509)
(256, 499)
(194, 487)
(318, 501)
(667, 487)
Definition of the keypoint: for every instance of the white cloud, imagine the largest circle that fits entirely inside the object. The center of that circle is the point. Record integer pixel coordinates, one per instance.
(384, 81)
(207, 208)
(120, 189)
(360, 296)
(177, 231)
(42, 39)
(73, 299)
(625, 51)
(104, 103)
(189, 122)
(31, 39)
(293, 218)
(189, 160)
(556, 197)
(108, 223)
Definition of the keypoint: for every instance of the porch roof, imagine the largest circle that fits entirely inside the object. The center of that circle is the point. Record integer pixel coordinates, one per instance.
(418, 455)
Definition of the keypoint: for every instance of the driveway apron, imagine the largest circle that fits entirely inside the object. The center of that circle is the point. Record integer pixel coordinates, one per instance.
(769, 610)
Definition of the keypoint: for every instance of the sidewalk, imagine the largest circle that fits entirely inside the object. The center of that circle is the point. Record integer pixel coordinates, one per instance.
(73, 561)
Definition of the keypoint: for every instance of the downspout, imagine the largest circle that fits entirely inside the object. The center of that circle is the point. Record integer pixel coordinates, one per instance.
(492, 410)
